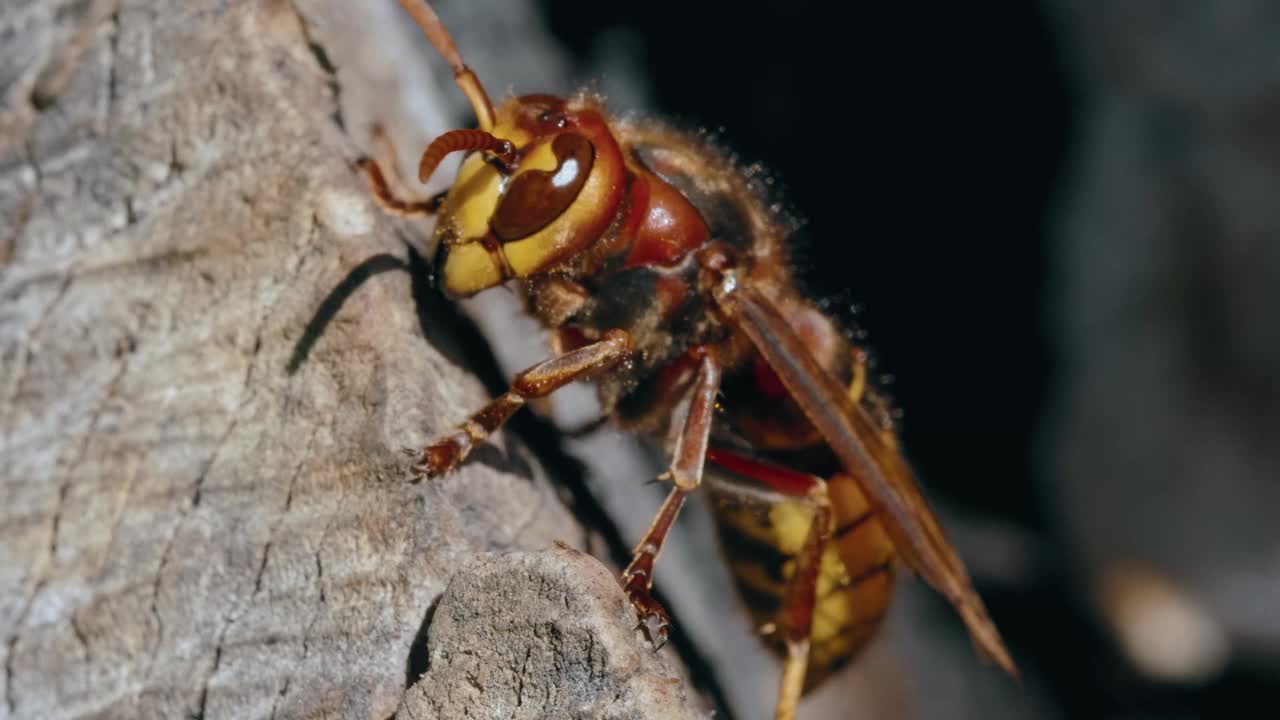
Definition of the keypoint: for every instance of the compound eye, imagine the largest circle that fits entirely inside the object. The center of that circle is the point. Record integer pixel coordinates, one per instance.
(537, 197)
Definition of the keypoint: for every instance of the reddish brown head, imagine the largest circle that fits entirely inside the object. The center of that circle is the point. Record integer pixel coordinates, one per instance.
(544, 180)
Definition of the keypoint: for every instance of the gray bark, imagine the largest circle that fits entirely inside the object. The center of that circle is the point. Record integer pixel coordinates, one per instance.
(198, 519)
(540, 635)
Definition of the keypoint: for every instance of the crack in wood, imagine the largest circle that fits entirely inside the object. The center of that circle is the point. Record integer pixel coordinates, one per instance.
(55, 520)
(24, 354)
(81, 637)
(54, 77)
(284, 690)
(322, 597)
(228, 621)
(120, 513)
(245, 396)
(10, 696)
(524, 670)
(65, 487)
(288, 503)
(325, 64)
(9, 242)
(113, 79)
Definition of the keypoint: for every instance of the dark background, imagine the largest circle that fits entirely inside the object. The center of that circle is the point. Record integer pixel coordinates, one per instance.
(923, 157)
(927, 146)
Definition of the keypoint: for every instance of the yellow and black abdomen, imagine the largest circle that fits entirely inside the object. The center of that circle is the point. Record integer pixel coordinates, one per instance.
(762, 531)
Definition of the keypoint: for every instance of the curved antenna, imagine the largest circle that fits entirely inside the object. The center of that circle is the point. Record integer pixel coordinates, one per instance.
(456, 140)
(426, 18)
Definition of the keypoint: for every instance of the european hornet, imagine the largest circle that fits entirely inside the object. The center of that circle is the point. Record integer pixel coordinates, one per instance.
(661, 270)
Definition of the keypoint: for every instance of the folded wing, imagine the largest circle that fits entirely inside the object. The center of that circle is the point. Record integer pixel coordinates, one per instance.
(879, 469)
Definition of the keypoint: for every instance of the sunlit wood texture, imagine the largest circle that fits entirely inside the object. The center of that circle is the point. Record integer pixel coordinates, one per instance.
(191, 523)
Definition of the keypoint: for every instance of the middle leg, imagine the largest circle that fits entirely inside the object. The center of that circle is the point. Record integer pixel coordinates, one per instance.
(686, 474)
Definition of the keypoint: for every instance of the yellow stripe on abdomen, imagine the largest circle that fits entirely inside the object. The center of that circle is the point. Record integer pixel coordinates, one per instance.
(855, 583)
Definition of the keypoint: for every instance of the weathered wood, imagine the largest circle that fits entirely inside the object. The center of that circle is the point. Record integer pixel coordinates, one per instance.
(210, 359)
(540, 635)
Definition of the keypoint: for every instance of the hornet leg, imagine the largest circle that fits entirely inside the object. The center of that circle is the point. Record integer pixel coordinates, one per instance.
(388, 198)
(686, 474)
(538, 381)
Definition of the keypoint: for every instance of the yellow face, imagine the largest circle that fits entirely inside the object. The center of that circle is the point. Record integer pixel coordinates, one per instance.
(561, 193)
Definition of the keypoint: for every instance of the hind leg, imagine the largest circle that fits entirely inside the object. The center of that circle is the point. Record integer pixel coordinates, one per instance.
(793, 621)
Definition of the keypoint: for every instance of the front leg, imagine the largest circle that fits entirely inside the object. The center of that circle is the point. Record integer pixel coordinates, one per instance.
(390, 199)
(538, 381)
(686, 474)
